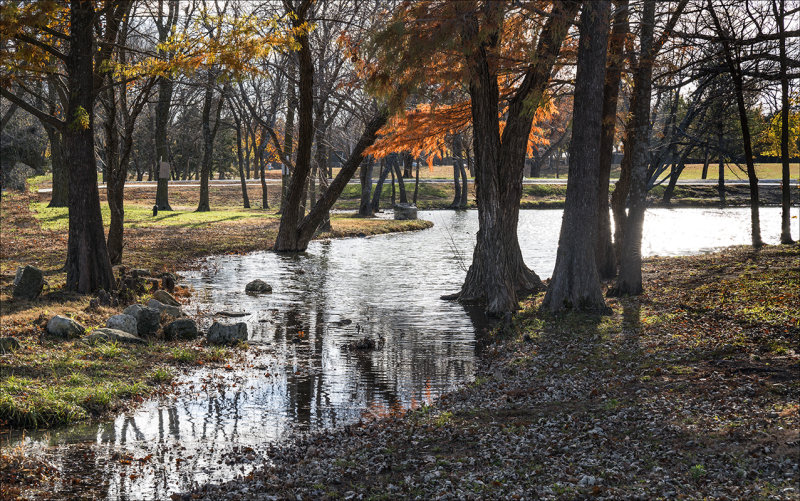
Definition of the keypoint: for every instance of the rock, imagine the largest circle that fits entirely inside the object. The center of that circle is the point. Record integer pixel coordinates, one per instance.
(183, 328)
(172, 311)
(405, 211)
(168, 281)
(28, 283)
(8, 344)
(123, 322)
(138, 272)
(17, 177)
(226, 313)
(113, 335)
(227, 333)
(258, 287)
(166, 298)
(64, 327)
(148, 320)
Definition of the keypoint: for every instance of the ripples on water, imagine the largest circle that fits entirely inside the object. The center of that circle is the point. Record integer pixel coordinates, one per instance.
(388, 286)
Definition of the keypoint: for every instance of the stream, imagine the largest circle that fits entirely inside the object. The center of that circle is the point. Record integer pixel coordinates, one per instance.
(300, 374)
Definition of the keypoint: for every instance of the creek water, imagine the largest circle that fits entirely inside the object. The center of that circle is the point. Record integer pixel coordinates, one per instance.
(301, 374)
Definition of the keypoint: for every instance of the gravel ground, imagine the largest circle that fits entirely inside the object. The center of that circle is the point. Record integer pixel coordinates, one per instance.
(659, 400)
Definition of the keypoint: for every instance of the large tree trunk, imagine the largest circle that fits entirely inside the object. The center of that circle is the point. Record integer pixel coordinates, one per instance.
(288, 133)
(604, 252)
(498, 275)
(365, 176)
(629, 281)
(292, 213)
(458, 166)
(115, 182)
(400, 181)
(88, 266)
(575, 283)
(786, 187)
(721, 163)
(706, 159)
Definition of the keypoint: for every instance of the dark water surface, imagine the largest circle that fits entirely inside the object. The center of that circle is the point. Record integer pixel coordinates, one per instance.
(300, 374)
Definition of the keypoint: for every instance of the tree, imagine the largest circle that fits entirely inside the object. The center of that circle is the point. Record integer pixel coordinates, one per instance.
(165, 25)
(575, 283)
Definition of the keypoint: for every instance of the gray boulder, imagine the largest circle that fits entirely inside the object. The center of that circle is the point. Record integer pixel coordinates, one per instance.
(227, 333)
(182, 328)
(172, 311)
(148, 320)
(165, 297)
(405, 211)
(64, 327)
(113, 335)
(28, 282)
(8, 344)
(123, 322)
(258, 287)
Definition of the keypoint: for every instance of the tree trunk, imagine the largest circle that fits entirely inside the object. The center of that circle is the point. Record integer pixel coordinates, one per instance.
(786, 187)
(288, 238)
(240, 160)
(575, 284)
(165, 87)
(376, 196)
(721, 166)
(458, 166)
(462, 204)
(498, 275)
(704, 175)
(392, 172)
(408, 165)
(365, 176)
(416, 185)
(604, 252)
(673, 177)
(60, 195)
(734, 67)
(288, 132)
(209, 133)
(401, 183)
(88, 266)
(629, 281)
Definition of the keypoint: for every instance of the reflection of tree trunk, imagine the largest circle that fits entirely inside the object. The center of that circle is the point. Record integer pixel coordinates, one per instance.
(604, 251)
(575, 283)
(365, 176)
(88, 265)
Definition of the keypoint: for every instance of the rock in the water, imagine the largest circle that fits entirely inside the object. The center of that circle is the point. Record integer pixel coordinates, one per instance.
(226, 313)
(148, 320)
(123, 322)
(227, 333)
(64, 327)
(405, 211)
(172, 311)
(165, 297)
(28, 283)
(113, 335)
(258, 287)
(8, 344)
(183, 328)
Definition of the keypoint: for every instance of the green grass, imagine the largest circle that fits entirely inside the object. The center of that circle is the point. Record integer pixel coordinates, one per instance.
(139, 216)
(27, 402)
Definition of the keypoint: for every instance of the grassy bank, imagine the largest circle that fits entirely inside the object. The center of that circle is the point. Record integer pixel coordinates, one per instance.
(688, 391)
(48, 382)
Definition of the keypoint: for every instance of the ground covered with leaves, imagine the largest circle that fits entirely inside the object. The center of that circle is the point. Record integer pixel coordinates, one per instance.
(688, 391)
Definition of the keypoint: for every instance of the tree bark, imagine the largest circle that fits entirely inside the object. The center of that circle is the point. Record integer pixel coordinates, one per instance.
(240, 161)
(60, 195)
(734, 68)
(629, 281)
(498, 275)
(88, 266)
(400, 181)
(384, 167)
(288, 133)
(786, 188)
(209, 134)
(704, 175)
(576, 284)
(365, 176)
(604, 251)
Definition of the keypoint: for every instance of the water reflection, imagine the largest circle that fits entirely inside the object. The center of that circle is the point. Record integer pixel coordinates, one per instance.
(301, 375)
